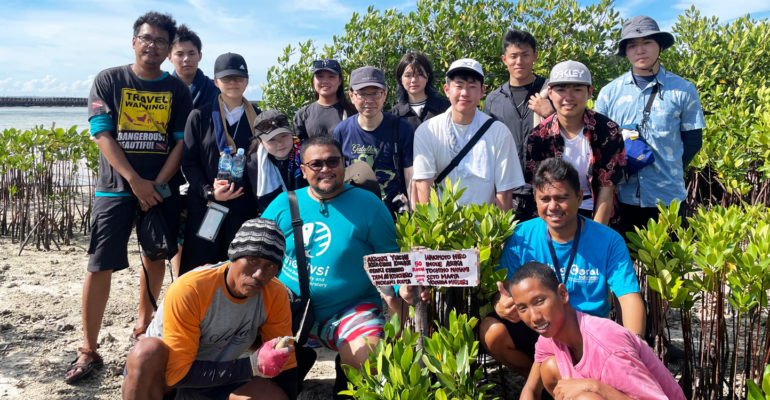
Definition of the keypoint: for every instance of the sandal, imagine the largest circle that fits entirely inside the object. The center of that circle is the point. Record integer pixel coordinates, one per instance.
(85, 368)
(134, 338)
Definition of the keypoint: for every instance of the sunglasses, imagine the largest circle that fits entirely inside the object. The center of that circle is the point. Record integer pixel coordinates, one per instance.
(269, 124)
(317, 165)
(333, 64)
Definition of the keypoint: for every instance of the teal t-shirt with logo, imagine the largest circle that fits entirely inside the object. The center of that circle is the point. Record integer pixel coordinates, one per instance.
(337, 236)
(602, 263)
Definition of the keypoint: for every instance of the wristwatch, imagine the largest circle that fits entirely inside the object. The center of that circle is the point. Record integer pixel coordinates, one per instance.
(209, 192)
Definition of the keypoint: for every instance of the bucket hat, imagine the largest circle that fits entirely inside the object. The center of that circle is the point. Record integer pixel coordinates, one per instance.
(643, 26)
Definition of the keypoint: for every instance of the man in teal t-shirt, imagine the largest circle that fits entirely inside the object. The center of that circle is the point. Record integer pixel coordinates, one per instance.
(341, 225)
(597, 257)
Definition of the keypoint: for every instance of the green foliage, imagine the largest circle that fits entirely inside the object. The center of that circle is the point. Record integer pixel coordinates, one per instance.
(447, 30)
(444, 225)
(397, 371)
(754, 392)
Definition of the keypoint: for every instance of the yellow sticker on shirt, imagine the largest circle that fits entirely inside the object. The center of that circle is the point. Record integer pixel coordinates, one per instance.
(143, 120)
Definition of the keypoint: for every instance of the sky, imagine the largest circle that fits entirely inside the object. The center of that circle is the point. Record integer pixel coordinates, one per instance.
(56, 47)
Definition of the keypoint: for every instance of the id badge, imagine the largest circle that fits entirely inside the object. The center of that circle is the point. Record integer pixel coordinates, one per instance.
(212, 221)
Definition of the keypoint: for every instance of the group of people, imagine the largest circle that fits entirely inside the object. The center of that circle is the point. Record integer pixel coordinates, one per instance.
(535, 148)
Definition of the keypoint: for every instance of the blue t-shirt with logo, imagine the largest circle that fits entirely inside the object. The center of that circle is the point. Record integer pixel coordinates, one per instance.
(360, 145)
(337, 234)
(602, 262)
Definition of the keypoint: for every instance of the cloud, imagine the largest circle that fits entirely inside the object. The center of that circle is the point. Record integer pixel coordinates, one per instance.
(4, 81)
(323, 8)
(726, 11)
(49, 85)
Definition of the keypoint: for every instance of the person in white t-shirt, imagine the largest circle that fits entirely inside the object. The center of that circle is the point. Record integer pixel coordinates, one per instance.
(590, 141)
(491, 169)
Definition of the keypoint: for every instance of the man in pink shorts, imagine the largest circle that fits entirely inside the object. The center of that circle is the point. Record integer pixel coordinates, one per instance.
(580, 357)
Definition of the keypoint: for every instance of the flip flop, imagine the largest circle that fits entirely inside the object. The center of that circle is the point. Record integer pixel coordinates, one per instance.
(134, 338)
(86, 369)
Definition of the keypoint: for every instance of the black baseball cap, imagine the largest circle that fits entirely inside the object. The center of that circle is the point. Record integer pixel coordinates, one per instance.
(230, 64)
(367, 76)
(327, 64)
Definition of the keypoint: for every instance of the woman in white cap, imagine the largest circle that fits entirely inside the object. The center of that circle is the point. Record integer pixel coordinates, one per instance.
(331, 105)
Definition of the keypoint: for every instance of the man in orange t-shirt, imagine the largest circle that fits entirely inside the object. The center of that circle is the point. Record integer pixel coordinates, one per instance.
(209, 317)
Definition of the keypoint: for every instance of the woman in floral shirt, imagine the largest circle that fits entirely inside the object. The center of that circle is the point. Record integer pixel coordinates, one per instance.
(590, 141)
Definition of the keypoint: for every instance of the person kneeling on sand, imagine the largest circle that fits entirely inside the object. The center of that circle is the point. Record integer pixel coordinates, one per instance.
(580, 356)
(209, 317)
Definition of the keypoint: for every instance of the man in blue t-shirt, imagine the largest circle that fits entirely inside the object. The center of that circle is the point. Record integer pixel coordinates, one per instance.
(598, 258)
(369, 136)
(341, 225)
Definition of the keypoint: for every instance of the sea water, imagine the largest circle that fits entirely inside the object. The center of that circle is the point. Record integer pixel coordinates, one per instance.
(27, 117)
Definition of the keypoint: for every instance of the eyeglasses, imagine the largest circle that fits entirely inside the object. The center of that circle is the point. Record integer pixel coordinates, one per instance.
(372, 96)
(230, 78)
(317, 165)
(159, 43)
(333, 64)
(268, 124)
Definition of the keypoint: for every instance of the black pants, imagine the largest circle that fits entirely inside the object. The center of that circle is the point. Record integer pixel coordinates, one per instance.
(637, 217)
(198, 251)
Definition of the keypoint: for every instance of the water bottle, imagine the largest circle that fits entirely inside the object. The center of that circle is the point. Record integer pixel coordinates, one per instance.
(239, 163)
(225, 165)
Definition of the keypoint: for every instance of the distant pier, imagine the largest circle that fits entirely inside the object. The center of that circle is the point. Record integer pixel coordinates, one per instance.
(43, 101)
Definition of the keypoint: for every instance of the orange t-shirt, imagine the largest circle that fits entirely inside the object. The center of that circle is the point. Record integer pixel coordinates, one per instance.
(200, 321)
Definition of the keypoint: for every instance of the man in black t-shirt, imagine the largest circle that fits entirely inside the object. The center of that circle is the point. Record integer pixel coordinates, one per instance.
(137, 114)
(521, 103)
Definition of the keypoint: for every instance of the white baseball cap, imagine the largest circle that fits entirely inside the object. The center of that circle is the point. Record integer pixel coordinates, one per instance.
(570, 71)
(466, 64)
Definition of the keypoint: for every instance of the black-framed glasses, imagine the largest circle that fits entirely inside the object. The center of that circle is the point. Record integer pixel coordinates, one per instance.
(317, 165)
(159, 43)
(373, 95)
(230, 78)
(328, 63)
(269, 124)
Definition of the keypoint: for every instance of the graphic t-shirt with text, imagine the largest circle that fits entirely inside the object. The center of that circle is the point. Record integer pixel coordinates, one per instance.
(360, 145)
(145, 114)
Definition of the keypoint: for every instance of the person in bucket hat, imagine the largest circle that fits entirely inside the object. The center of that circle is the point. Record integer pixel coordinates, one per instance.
(670, 123)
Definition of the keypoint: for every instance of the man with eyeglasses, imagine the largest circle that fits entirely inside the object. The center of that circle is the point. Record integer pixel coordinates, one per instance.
(382, 140)
(342, 224)
(137, 114)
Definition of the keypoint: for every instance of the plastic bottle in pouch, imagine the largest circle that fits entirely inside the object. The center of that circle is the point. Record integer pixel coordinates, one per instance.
(225, 166)
(239, 163)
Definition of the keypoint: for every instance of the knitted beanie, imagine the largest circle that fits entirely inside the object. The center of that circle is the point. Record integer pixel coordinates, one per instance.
(260, 238)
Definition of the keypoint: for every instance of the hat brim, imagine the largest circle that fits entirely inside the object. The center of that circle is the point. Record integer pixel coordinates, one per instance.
(554, 83)
(275, 132)
(228, 72)
(327, 69)
(360, 174)
(664, 39)
(360, 86)
(453, 70)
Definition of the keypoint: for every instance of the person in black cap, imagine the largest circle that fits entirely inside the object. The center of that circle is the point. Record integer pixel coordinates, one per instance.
(274, 158)
(227, 122)
(331, 106)
(673, 130)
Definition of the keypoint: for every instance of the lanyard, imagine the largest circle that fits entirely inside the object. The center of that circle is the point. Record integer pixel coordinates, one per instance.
(572, 254)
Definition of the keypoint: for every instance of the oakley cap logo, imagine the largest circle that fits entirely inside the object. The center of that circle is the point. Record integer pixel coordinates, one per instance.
(570, 73)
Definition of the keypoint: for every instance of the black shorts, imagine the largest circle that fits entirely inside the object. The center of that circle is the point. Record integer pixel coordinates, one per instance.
(112, 220)
(522, 336)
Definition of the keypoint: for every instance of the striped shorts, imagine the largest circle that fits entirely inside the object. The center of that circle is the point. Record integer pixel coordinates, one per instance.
(360, 320)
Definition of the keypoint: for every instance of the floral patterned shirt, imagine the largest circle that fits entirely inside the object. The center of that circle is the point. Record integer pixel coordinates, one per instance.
(607, 166)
